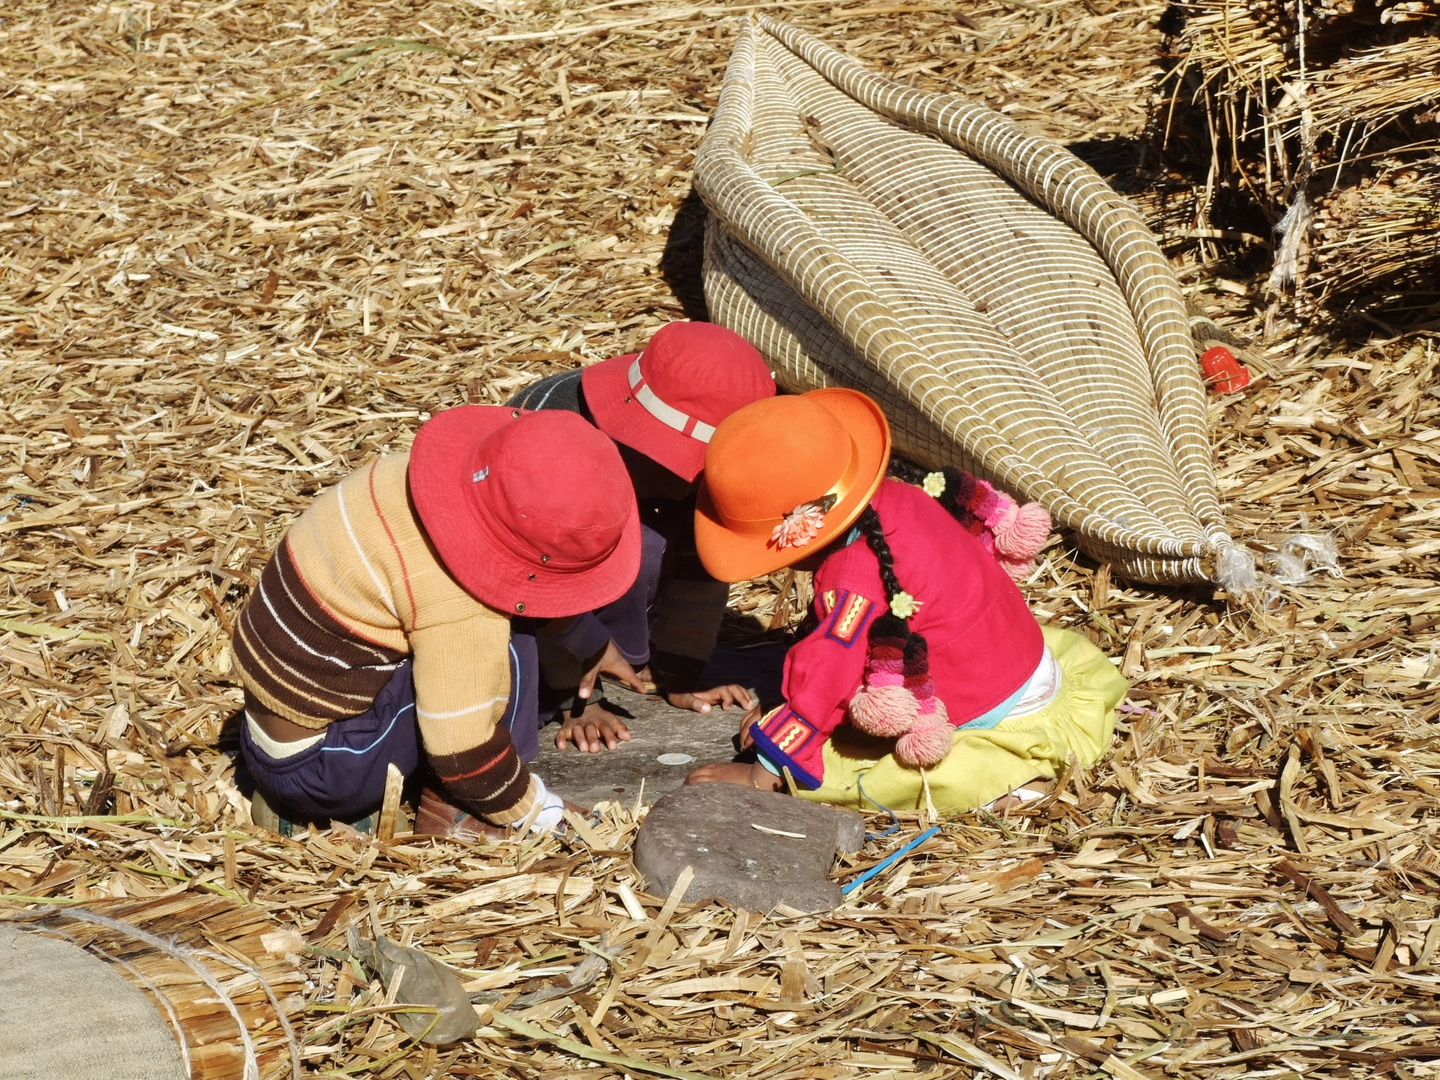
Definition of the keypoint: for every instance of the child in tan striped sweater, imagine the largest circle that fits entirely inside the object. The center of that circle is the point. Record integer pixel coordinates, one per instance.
(380, 631)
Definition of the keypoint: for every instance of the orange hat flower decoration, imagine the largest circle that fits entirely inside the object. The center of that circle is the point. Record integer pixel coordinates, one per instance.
(799, 526)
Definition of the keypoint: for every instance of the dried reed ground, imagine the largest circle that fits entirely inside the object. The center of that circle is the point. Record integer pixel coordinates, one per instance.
(246, 246)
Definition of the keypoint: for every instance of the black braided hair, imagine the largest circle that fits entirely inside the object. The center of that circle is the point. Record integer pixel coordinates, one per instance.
(869, 525)
(907, 471)
(916, 648)
(888, 632)
(958, 498)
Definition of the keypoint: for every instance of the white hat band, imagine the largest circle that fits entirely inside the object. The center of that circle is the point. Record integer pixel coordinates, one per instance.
(665, 413)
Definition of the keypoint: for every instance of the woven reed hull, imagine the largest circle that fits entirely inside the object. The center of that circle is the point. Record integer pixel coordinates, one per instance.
(1008, 310)
(230, 940)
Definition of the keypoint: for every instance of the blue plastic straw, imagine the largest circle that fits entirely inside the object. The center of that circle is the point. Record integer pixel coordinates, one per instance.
(889, 861)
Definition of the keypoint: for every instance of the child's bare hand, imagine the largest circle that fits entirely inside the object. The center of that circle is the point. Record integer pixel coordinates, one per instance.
(736, 772)
(703, 701)
(747, 723)
(610, 662)
(595, 729)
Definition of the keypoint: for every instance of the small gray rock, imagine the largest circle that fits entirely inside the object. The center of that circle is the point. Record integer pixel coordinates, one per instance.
(712, 829)
(446, 1015)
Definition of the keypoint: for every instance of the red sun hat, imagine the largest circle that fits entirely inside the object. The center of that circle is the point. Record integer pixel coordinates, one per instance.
(532, 513)
(786, 476)
(667, 401)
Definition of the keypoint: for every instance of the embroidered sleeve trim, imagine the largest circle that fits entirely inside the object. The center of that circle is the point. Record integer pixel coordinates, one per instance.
(850, 615)
(782, 735)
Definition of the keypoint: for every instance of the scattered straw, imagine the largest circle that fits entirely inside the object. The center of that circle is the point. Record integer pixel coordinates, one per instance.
(239, 257)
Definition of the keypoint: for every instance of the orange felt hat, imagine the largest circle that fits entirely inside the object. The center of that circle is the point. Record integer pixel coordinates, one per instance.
(785, 476)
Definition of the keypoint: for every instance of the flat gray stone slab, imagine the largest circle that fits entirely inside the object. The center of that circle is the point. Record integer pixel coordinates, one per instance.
(665, 745)
(750, 848)
(661, 738)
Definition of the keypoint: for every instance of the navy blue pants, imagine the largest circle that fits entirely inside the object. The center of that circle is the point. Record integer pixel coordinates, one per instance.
(628, 619)
(343, 776)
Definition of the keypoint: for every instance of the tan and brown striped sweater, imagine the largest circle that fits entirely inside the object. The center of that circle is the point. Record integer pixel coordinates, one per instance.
(355, 587)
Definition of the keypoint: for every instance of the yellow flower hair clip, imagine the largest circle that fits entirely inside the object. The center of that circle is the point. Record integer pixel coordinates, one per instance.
(903, 605)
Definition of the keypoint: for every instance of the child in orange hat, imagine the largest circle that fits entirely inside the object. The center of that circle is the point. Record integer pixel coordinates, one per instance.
(924, 676)
(380, 632)
(661, 406)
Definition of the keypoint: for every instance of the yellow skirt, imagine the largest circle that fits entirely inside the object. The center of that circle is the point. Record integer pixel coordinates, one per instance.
(1077, 725)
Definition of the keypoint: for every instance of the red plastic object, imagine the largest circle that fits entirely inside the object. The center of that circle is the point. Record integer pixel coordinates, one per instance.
(1222, 371)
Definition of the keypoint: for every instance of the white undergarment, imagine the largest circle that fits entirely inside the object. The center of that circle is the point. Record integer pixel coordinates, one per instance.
(274, 747)
(1042, 687)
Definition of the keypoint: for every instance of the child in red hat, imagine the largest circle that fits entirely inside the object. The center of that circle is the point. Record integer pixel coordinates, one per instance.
(381, 630)
(924, 677)
(660, 406)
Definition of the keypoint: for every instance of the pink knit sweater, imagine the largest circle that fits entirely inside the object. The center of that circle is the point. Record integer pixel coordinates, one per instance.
(984, 643)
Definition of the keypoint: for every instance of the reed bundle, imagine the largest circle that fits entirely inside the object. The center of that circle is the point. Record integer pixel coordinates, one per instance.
(1378, 243)
(1282, 106)
(1009, 311)
(225, 975)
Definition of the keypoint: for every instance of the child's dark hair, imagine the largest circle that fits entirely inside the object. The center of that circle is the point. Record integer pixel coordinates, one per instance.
(961, 497)
(898, 698)
(869, 525)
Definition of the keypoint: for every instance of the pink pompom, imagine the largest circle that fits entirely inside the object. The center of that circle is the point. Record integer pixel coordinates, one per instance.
(926, 744)
(1017, 569)
(886, 711)
(988, 503)
(1022, 532)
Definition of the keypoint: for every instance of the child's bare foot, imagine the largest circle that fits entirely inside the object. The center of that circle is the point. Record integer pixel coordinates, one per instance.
(595, 729)
(736, 772)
